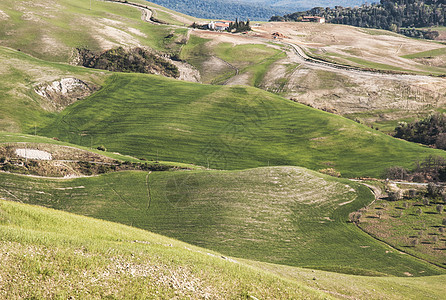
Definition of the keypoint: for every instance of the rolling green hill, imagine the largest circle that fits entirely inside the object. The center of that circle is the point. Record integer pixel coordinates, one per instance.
(47, 254)
(60, 255)
(282, 215)
(52, 30)
(225, 128)
(260, 216)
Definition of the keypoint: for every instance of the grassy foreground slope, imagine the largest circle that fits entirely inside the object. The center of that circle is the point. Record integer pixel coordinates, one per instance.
(60, 255)
(49, 254)
(225, 128)
(283, 215)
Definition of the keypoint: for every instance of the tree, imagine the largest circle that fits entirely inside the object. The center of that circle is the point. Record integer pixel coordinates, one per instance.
(393, 28)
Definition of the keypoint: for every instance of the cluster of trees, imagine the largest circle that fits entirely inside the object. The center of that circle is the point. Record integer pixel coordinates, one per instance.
(417, 33)
(430, 131)
(136, 60)
(430, 169)
(239, 26)
(388, 14)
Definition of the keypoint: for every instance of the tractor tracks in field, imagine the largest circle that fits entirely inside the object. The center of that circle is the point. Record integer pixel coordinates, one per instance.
(149, 195)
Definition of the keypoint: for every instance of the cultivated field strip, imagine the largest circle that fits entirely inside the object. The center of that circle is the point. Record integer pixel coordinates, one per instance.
(284, 215)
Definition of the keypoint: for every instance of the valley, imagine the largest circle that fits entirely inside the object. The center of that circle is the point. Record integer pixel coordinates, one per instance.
(144, 158)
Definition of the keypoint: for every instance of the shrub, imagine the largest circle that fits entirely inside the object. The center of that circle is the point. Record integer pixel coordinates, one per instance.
(434, 190)
(395, 195)
(440, 209)
(331, 172)
(102, 148)
(412, 193)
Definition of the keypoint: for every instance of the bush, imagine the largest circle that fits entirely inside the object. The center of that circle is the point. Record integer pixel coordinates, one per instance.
(440, 209)
(102, 148)
(434, 190)
(399, 173)
(331, 172)
(412, 193)
(395, 195)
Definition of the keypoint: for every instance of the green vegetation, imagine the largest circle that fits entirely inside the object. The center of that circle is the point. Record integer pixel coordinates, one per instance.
(225, 128)
(252, 59)
(374, 65)
(266, 214)
(49, 254)
(394, 15)
(362, 287)
(22, 108)
(8, 138)
(281, 214)
(430, 53)
(51, 32)
(136, 60)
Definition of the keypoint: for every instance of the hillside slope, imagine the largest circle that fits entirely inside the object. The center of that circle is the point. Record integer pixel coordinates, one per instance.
(52, 30)
(225, 128)
(49, 254)
(282, 215)
(56, 254)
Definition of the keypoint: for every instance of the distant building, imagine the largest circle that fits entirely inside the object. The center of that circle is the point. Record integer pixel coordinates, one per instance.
(313, 19)
(220, 25)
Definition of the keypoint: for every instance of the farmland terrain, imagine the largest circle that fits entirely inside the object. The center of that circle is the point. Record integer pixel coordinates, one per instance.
(271, 64)
(218, 157)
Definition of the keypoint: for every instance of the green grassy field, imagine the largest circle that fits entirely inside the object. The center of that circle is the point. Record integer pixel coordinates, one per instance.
(430, 53)
(8, 138)
(225, 128)
(60, 255)
(283, 215)
(47, 254)
(252, 59)
(22, 108)
(52, 30)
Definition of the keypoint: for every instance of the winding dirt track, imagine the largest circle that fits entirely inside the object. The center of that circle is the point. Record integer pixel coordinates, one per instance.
(348, 70)
(146, 12)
